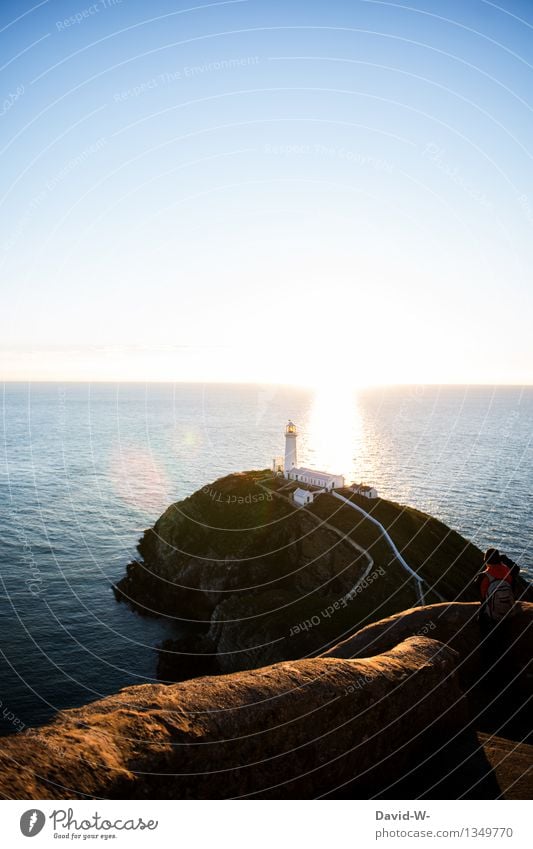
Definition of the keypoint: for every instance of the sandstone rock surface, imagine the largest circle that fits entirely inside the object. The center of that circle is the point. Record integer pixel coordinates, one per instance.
(296, 729)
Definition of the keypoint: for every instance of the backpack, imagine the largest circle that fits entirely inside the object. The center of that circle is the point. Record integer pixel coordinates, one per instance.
(500, 599)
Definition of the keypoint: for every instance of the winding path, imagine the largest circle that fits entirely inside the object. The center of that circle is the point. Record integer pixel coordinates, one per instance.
(388, 539)
(337, 531)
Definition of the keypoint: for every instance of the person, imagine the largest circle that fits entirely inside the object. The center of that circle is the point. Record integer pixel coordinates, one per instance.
(497, 588)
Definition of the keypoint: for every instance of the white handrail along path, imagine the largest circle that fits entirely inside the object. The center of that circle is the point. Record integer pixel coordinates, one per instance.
(385, 533)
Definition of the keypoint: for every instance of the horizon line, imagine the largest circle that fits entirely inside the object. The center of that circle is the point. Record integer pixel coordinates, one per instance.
(136, 382)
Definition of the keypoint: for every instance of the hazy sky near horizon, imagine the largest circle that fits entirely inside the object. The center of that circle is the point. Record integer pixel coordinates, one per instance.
(302, 192)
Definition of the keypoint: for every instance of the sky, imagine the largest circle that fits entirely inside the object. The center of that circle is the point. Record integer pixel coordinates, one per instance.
(283, 192)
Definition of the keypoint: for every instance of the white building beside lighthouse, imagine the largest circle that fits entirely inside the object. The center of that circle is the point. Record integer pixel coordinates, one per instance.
(302, 474)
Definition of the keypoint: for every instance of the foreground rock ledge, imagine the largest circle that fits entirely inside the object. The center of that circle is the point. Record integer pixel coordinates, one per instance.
(452, 623)
(296, 729)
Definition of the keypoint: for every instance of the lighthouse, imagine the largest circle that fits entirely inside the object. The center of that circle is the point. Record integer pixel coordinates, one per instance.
(324, 481)
(291, 435)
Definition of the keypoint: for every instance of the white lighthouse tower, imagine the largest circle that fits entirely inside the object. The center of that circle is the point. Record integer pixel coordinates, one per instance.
(291, 435)
(321, 481)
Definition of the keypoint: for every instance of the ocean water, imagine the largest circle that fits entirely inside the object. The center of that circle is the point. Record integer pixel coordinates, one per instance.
(85, 468)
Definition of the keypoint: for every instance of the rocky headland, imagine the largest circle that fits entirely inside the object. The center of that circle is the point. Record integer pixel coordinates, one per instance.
(256, 580)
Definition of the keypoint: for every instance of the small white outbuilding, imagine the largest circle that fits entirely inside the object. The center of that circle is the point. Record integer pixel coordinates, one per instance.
(302, 497)
(364, 490)
(278, 465)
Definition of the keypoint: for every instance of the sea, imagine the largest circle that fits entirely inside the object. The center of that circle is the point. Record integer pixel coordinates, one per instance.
(85, 468)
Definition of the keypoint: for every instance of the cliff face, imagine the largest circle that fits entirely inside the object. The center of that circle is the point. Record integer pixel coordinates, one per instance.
(397, 724)
(268, 582)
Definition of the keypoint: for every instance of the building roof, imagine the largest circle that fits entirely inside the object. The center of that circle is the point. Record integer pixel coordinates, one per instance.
(303, 470)
(300, 491)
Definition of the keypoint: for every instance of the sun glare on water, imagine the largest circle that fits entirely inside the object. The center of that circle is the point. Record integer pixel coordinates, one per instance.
(334, 429)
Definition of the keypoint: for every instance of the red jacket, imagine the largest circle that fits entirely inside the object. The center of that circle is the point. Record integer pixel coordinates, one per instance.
(497, 570)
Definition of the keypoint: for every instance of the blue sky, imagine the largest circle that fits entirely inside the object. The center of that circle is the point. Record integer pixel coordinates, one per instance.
(267, 191)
